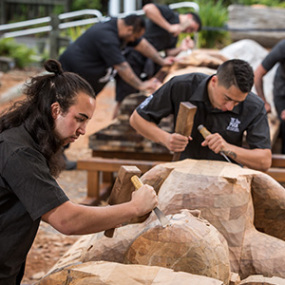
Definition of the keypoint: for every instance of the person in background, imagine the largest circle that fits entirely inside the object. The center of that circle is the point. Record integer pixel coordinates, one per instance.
(33, 132)
(225, 106)
(97, 56)
(276, 55)
(163, 26)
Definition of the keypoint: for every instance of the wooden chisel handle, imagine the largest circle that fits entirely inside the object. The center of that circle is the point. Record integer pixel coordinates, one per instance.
(137, 182)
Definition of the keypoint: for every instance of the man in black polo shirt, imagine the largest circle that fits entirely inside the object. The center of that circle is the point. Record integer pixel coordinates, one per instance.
(98, 52)
(225, 106)
(163, 26)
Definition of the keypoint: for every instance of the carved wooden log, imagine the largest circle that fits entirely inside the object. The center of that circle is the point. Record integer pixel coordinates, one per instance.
(223, 193)
(249, 18)
(261, 280)
(191, 245)
(105, 273)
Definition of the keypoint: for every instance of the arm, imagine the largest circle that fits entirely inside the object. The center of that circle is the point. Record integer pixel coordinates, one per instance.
(73, 219)
(153, 13)
(174, 142)
(127, 74)
(147, 49)
(258, 84)
(259, 159)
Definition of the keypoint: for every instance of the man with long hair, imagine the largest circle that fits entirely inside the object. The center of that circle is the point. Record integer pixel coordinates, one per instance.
(33, 132)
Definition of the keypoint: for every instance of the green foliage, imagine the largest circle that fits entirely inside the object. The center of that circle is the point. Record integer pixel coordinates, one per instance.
(86, 4)
(214, 18)
(272, 3)
(21, 54)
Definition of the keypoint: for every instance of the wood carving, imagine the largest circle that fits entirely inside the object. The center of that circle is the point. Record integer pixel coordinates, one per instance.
(223, 193)
(228, 197)
(189, 244)
(102, 273)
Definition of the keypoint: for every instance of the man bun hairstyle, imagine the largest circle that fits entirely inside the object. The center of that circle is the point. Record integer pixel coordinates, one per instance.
(53, 66)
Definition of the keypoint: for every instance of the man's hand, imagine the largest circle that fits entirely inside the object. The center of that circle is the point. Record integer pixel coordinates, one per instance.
(267, 107)
(175, 29)
(187, 44)
(150, 85)
(177, 142)
(169, 60)
(144, 200)
(216, 143)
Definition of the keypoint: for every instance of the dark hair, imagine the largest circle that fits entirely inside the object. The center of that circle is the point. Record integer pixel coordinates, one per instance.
(236, 72)
(197, 19)
(35, 110)
(137, 22)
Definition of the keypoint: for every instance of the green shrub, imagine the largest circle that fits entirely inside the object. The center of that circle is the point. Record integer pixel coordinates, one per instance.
(21, 54)
(214, 18)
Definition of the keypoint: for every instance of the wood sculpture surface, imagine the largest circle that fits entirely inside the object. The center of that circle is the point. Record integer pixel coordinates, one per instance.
(223, 193)
(189, 244)
(102, 273)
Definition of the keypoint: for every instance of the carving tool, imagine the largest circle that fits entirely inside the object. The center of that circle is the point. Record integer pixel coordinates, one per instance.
(205, 133)
(184, 122)
(161, 217)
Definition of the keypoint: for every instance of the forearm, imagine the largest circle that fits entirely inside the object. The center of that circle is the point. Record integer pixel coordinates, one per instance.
(148, 129)
(258, 81)
(259, 159)
(127, 74)
(153, 13)
(173, 51)
(147, 49)
(78, 219)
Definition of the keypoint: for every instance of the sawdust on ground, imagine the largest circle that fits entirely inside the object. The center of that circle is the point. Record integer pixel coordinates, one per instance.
(49, 244)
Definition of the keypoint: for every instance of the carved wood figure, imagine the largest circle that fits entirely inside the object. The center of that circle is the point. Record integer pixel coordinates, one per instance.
(226, 195)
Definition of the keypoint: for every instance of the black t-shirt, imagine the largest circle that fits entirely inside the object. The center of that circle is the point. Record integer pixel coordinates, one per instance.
(249, 116)
(277, 55)
(95, 52)
(27, 191)
(157, 36)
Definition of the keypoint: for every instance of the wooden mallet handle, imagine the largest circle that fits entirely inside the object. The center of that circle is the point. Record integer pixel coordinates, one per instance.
(184, 122)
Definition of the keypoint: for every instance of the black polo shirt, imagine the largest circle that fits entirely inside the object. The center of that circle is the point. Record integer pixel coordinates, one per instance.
(157, 36)
(95, 52)
(249, 116)
(27, 191)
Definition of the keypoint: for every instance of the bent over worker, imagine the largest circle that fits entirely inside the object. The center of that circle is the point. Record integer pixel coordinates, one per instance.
(97, 53)
(163, 26)
(55, 112)
(225, 106)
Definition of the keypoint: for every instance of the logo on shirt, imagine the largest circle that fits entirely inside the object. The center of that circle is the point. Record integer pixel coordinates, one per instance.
(146, 101)
(234, 125)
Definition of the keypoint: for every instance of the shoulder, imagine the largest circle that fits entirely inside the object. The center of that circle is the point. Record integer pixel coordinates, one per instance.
(254, 103)
(189, 79)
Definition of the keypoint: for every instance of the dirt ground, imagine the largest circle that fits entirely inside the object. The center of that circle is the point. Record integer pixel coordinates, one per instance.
(50, 245)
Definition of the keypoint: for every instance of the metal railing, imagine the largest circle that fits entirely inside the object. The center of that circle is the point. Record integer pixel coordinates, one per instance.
(55, 25)
(98, 15)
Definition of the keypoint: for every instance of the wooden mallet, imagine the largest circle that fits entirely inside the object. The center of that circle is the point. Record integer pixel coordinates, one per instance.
(184, 122)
